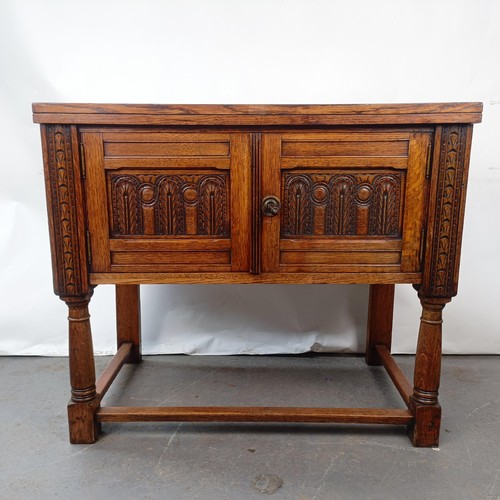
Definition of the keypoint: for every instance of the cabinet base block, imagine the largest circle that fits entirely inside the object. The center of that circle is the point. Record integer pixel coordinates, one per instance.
(83, 426)
(423, 431)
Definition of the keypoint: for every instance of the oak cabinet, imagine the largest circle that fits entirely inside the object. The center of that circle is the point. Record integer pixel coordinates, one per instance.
(256, 194)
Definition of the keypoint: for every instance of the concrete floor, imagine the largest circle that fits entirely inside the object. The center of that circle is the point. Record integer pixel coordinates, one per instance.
(236, 461)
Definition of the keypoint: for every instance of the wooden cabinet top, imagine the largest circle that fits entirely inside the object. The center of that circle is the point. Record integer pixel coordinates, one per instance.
(257, 115)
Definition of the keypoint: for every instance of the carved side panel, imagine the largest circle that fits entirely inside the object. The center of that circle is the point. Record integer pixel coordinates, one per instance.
(64, 199)
(338, 204)
(446, 215)
(168, 199)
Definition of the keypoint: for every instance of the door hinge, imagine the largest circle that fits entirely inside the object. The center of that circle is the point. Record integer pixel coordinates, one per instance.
(422, 245)
(253, 154)
(82, 160)
(89, 248)
(429, 161)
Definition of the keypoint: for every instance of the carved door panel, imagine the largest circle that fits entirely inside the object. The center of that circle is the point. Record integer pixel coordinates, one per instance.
(172, 202)
(349, 202)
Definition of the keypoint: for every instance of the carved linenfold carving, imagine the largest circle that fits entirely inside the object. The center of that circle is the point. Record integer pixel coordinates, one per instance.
(126, 216)
(385, 213)
(63, 205)
(342, 196)
(168, 196)
(298, 215)
(212, 207)
(170, 218)
(340, 211)
(451, 177)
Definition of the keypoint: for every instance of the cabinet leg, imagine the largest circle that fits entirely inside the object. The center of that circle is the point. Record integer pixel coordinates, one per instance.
(83, 427)
(424, 432)
(128, 319)
(379, 329)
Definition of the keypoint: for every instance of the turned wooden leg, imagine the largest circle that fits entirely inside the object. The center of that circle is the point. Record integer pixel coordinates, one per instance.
(424, 401)
(83, 427)
(128, 319)
(379, 329)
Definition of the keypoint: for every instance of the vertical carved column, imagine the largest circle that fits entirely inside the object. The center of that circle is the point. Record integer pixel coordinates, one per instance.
(64, 189)
(440, 276)
(63, 181)
(446, 211)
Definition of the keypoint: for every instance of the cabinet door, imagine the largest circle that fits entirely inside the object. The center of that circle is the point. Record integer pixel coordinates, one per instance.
(168, 202)
(350, 202)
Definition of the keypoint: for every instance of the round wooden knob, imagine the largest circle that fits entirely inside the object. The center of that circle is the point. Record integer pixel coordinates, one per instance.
(271, 206)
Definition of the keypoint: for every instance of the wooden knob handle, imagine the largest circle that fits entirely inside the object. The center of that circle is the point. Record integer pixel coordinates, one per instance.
(271, 206)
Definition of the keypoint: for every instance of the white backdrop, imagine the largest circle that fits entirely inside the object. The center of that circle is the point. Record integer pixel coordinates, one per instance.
(259, 51)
